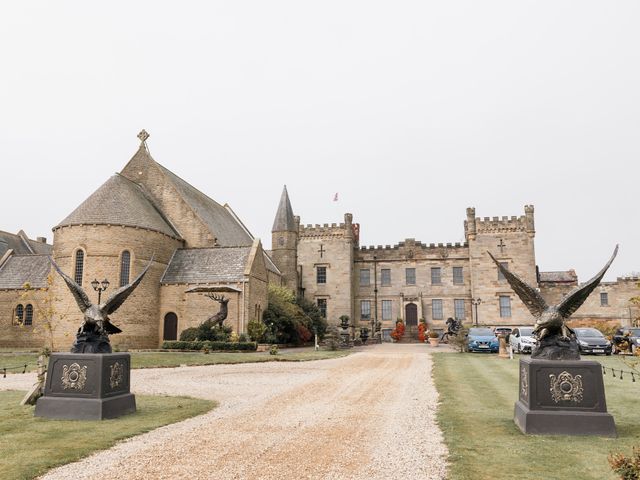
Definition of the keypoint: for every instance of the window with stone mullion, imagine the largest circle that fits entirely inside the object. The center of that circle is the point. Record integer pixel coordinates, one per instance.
(436, 309)
(365, 309)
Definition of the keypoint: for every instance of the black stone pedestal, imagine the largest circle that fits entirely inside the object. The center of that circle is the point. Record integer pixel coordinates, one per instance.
(87, 386)
(562, 397)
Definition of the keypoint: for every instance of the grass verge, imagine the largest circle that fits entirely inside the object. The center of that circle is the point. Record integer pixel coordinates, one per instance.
(477, 395)
(30, 446)
(175, 359)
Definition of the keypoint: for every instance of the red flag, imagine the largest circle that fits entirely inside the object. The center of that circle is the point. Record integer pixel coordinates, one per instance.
(335, 197)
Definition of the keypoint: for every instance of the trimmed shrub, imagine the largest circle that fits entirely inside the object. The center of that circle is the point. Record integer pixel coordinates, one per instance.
(212, 346)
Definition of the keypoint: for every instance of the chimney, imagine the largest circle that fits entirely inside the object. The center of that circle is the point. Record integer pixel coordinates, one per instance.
(41, 239)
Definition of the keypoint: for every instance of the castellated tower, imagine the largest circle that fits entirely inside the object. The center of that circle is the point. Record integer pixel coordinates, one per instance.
(284, 242)
(326, 256)
(510, 240)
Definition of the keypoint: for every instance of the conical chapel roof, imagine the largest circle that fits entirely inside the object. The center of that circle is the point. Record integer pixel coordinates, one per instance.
(284, 221)
(119, 201)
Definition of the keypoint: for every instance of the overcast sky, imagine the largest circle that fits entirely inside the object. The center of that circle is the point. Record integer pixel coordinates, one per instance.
(410, 110)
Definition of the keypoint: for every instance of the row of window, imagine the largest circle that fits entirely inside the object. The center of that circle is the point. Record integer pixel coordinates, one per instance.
(125, 267)
(23, 315)
(385, 276)
(410, 276)
(437, 310)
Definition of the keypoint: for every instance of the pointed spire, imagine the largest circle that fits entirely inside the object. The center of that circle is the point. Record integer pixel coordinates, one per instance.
(284, 221)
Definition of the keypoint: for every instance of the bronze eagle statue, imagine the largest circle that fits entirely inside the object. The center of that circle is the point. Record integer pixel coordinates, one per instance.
(93, 334)
(551, 328)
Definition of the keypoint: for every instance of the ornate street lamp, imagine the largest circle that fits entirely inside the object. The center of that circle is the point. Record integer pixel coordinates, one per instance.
(475, 302)
(100, 287)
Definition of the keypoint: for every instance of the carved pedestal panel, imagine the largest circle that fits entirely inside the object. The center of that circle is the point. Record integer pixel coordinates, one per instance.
(562, 397)
(87, 386)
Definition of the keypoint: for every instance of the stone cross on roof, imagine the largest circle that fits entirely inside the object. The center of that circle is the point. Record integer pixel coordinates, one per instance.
(143, 135)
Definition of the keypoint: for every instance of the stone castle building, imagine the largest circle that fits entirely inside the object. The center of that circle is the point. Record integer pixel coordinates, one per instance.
(199, 246)
(413, 280)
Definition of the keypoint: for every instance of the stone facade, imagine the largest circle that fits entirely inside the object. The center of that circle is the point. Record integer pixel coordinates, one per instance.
(413, 280)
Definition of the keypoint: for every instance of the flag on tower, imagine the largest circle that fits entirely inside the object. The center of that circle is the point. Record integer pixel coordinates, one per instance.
(335, 197)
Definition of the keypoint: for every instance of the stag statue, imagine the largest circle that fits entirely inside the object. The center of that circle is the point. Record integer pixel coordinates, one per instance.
(556, 341)
(93, 334)
(219, 317)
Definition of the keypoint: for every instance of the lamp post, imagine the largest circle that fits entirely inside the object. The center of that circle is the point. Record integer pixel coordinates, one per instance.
(100, 287)
(475, 302)
(374, 320)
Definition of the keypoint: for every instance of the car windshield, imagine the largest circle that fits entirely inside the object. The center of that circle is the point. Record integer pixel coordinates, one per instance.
(635, 332)
(481, 332)
(526, 332)
(588, 332)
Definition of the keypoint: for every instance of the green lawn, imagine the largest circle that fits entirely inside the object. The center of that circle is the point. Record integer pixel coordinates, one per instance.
(175, 359)
(30, 446)
(477, 395)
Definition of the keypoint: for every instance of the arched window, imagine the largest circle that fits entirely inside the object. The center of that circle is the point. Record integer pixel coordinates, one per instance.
(79, 267)
(19, 316)
(125, 268)
(28, 315)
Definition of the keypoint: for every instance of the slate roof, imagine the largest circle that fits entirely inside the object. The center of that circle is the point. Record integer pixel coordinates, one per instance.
(284, 221)
(119, 201)
(207, 265)
(20, 269)
(22, 245)
(268, 263)
(568, 276)
(228, 231)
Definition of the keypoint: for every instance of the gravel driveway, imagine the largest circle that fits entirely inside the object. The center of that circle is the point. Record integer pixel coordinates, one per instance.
(370, 415)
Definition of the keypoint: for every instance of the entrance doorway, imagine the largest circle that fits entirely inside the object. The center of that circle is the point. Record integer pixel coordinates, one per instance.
(411, 314)
(170, 327)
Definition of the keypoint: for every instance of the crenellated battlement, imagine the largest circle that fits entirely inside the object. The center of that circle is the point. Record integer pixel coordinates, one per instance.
(345, 229)
(417, 244)
(482, 225)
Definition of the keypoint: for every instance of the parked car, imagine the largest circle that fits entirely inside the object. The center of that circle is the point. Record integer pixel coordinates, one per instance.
(502, 331)
(482, 340)
(591, 340)
(522, 340)
(626, 340)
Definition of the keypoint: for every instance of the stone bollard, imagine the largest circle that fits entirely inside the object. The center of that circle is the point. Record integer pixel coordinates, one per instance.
(502, 352)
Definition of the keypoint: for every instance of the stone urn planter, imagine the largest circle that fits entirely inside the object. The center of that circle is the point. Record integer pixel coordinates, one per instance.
(434, 341)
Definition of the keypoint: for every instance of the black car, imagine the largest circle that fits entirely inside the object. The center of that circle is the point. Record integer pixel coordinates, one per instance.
(626, 340)
(591, 340)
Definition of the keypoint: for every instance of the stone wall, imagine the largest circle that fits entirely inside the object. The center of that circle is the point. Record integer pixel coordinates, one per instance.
(337, 244)
(13, 335)
(103, 246)
(618, 308)
(194, 308)
(421, 257)
(510, 240)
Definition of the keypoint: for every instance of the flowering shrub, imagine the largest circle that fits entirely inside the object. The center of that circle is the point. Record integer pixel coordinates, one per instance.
(398, 332)
(422, 327)
(627, 467)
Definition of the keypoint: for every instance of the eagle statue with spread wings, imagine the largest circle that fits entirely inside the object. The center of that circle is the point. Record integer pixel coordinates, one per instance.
(93, 334)
(556, 341)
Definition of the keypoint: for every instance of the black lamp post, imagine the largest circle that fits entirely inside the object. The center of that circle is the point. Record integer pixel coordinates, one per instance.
(100, 287)
(475, 302)
(374, 320)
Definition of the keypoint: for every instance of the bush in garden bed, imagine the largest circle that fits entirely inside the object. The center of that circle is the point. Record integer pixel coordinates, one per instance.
(213, 346)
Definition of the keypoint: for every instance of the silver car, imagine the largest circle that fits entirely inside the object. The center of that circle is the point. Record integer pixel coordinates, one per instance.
(522, 339)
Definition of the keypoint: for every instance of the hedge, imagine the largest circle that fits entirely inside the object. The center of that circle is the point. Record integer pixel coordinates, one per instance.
(201, 345)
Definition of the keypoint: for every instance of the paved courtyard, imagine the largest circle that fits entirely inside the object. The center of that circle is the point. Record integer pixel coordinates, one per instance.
(370, 415)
